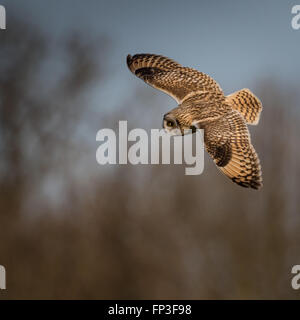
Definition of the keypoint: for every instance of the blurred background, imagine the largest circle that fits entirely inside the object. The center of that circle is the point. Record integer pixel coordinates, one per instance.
(73, 229)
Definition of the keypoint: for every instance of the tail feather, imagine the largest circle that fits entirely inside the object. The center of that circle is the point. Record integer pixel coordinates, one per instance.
(247, 104)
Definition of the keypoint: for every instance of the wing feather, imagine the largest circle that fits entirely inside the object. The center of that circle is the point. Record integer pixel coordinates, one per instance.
(165, 74)
(228, 142)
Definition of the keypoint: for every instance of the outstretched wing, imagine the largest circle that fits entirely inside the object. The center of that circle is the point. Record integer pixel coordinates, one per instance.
(170, 77)
(227, 141)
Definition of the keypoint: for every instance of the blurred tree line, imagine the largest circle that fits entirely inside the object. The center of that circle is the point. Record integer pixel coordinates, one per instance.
(131, 232)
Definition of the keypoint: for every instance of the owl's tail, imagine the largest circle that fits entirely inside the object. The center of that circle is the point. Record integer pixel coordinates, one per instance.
(247, 104)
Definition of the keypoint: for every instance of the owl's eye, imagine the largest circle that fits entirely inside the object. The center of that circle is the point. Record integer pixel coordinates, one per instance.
(170, 124)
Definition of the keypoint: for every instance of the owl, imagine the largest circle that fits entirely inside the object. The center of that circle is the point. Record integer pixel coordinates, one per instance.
(203, 105)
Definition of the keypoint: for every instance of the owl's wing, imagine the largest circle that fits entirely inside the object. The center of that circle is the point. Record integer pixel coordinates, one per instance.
(227, 140)
(170, 77)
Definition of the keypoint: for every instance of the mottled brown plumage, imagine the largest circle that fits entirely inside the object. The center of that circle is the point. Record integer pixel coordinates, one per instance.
(202, 104)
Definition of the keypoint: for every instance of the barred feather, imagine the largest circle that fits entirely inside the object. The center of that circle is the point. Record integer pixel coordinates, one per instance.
(165, 74)
(203, 104)
(228, 142)
(247, 104)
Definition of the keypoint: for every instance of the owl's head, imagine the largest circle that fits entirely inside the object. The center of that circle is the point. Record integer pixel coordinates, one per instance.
(171, 124)
(176, 125)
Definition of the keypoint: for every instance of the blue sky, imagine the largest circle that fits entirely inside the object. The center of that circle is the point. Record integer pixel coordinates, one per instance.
(236, 42)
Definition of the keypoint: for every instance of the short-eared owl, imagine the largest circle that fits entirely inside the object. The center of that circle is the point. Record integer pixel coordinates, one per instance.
(202, 104)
